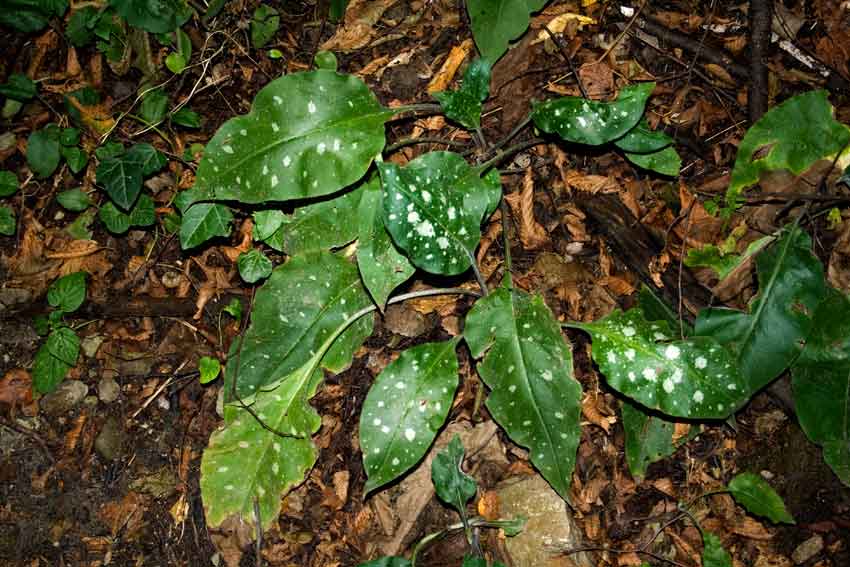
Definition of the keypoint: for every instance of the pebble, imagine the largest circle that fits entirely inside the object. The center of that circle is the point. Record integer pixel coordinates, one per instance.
(109, 440)
(807, 549)
(64, 398)
(108, 390)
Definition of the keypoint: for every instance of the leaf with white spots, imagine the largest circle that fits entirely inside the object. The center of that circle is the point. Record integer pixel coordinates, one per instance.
(319, 226)
(304, 302)
(464, 105)
(583, 121)
(245, 462)
(529, 369)
(433, 208)
(203, 221)
(695, 377)
(308, 134)
(382, 267)
(771, 335)
(405, 408)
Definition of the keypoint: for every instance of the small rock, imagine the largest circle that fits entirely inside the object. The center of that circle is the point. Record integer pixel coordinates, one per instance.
(90, 344)
(807, 549)
(109, 440)
(64, 398)
(108, 390)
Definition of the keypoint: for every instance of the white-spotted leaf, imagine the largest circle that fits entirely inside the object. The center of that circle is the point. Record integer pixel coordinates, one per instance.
(405, 408)
(694, 377)
(433, 208)
(304, 302)
(528, 367)
(382, 267)
(583, 121)
(308, 134)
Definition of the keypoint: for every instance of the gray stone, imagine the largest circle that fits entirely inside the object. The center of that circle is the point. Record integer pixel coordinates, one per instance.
(64, 398)
(550, 529)
(108, 390)
(807, 549)
(109, 440)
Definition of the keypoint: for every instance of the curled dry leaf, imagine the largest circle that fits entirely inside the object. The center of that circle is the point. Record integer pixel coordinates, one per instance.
(358, 27)
(531, 233)
(444, 76)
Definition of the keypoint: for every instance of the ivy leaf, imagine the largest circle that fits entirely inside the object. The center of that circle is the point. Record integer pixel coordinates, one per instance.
(405, 408)
(7, 221)
(821, 379)
(382, 267)
(713, 553)
(155, 16)
(74, 157)
(154, 106)
(30, 16)
(307, 135)
(54, 359)
(68, 292)
(665, 161)
(643, 140)
(266, 223)
(254, 266)
(245, 464)
(122, 179)
(43, 151)
(792, 136)
(758, 497)
(770, 336)
(649, 438)
(497, 22)
(203, 221)
(147, 157)
(264, 25)
(8, 183)
(18, 87)
(453, 486)
(464, 105)
(591, 122)
(209, 369)
(308, 299)
(433, 208)
(119, 222)
(528, 367)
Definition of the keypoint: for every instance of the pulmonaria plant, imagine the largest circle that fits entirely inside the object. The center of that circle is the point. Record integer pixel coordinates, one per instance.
(313, 138)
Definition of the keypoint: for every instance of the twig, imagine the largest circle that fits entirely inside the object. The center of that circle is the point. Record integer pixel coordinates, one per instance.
(760, 21)
(566, 55)
(511, 150)
(423, 140)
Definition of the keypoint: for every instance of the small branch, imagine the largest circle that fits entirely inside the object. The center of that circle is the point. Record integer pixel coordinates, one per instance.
(760, 22)
(511, 150)
(565, 53)
(525, 121)
(421, 107)
(424, 140)
(482, 283)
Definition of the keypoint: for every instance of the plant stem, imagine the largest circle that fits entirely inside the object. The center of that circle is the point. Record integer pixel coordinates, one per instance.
(427, 107)
(482, 283)
(566, 55)
(517, 129)
(509, 151)
(424, 140)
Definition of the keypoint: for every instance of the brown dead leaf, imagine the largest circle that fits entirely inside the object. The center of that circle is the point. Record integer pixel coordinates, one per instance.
(488, 505)
(531, 233)
(592, 184)
(750, 528)
(448, 69)
(97, 117)
(44, 44)
(598, 80)
(125, 517)
(358, 27)
(592, 413)
(246, 231)
(838, 267)
(680, 431)
(16, 389)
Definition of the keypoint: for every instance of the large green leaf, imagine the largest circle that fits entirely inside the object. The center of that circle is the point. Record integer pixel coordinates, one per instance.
(405, 408)
(758, 497)
(382, 267)
(643, 140)
(583, 121)
(528, 367)
(821, 378)
(792, 135)
(308, 134)
(464, 104)
(247, 467)
(770, 336)
(495, 23)
(694, 377)
(203, 221)
(649, 438)
(156, 16)
(304, 302)
(30, 15)
(433, 208)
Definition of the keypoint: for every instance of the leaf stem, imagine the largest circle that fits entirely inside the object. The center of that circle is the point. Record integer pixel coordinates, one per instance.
(482, 283)
(512, 134)
(509, 151)
(425, 107)
(424, 140)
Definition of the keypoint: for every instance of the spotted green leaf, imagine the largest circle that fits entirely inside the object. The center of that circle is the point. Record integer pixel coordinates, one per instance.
(758, 497)
(308, 134)
(769, 336)
(790, 136)
(821, 379)
(54, 359)
(713, 553)
(694, 377)
(308, 299)
(405, 408)
(253, 266)
(495, 23)
(247, 467)
(665, 161)
(203, 221)
(649, 438)
(453, 486)
(464, 105)
(528, 367)
(591, 122)
(433, 208)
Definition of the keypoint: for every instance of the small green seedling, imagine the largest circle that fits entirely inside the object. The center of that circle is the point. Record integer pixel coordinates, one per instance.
(59, 353)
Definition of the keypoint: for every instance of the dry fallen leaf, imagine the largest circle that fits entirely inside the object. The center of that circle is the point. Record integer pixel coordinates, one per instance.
(444, 76)
(531, 233)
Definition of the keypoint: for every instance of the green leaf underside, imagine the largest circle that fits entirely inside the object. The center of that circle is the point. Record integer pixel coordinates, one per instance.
(319, 226)
(758, 497)
(798, 132)
(821, 379)
(433, 209)
(405, 408)
(643, 140)
(254, 265)
(769, 337)
(464, 104)
(694, 377)
(528, 367)
(382, 267)
(710, 256)
(495, 23)
(453, 486)
(649, 438)
(591, 122)
(54, 359)
(203, 221)
(245, 462)
(304, 302)
(665, 161)
(713, 553)
(68, 292)
(307, 135)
